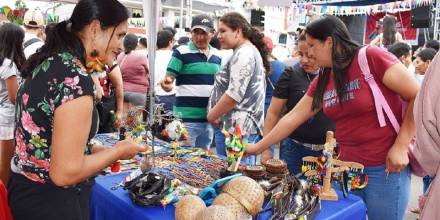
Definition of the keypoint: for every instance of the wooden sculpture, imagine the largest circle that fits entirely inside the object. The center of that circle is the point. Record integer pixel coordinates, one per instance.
(328, 165)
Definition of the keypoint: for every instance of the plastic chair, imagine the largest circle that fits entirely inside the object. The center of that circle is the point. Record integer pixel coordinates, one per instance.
(5, 212)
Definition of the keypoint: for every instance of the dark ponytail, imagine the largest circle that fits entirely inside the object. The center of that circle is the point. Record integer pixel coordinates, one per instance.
(63, 37)
(257, 39)
(343, 51)
(236, 21)
(11, 44)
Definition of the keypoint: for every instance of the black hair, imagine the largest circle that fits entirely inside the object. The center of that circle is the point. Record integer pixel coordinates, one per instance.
(343, 51)
(427, 54)
(236, 21)
(130, 43)
(11, 44)
(434, 44)
(163, 39)
(49, 27)
(64, 36)
(183, 40)
(170, 29)
(302, 36)
(400, 49)
(215, 42)
(143, 42)
(389, 31)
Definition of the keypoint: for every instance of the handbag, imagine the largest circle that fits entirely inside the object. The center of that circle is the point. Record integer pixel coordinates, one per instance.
(382, 106)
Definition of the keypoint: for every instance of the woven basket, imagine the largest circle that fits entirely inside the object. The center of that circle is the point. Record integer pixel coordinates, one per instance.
(276, 166)
(189, 207)
(246, 191)
(216, 212)
(231, 204)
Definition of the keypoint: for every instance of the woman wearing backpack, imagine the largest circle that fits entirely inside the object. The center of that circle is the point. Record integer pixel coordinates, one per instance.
(344, 95)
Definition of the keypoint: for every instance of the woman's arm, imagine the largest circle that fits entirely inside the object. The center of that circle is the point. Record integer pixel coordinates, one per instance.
(399, 79)
(71, 129)
(376, 41)
(99, 90)
(115, 77)
(223, 106)
(12, 86)
(296, 117)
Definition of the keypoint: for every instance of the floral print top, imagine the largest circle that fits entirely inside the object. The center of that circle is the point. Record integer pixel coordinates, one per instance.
(57, 80)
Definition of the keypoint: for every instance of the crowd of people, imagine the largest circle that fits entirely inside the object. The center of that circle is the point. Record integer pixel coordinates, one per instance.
(62, 84)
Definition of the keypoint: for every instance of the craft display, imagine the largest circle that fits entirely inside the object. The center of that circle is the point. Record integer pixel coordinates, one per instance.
(224, 199)
(294, 199)
(326, 168)
(247, 192)
(189, 207)
(148, 189)
(276, 167)
(235, 143)
(216, 212)
(256, 172)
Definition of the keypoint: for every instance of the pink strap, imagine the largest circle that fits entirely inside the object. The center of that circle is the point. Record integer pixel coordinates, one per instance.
(379, 99)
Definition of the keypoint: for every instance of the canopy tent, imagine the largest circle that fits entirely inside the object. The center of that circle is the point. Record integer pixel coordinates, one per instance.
(201, 5)
(352, 2)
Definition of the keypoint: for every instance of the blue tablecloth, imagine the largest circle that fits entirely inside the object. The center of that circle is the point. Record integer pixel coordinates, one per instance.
(107, 204)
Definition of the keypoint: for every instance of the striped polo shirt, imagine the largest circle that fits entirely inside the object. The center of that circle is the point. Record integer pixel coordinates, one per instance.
(194, 73)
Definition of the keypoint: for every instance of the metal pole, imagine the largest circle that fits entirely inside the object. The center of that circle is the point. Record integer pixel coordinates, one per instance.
(182, 29)
(151, 15)
(188, 13)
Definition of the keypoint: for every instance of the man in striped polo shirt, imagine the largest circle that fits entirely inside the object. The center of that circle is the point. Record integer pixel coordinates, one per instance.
(194, 66)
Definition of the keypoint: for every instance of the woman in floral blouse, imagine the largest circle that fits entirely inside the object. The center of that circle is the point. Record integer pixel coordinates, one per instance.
(53, 164)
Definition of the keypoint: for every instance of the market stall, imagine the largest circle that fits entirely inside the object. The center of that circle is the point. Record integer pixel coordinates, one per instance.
(112, 200)
(116, 204)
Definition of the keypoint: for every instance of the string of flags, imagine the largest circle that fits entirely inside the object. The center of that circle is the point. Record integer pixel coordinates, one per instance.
(391, 7)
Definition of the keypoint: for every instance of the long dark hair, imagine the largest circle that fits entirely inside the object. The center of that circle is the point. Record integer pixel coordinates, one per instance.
(343, 51)
(389, 31)
(11, 44)
(64, 36)
(236, 21)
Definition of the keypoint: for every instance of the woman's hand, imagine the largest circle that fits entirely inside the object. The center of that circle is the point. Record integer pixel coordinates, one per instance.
(251, 149)
(118, 120)
(128, 148)
(397, 158)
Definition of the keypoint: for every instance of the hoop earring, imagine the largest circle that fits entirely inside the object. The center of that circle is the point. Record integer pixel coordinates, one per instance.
(94, 64)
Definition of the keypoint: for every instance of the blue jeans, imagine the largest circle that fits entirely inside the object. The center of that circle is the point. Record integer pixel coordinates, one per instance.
(427, 180)
(168, 101)
(219, 139)
(386, 197)
(221, 148)
(200, 134)
(292, 153)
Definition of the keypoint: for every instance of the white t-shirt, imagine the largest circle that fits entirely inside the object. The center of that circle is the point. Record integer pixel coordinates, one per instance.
(32, 48)
(7, 109)
(163, 57)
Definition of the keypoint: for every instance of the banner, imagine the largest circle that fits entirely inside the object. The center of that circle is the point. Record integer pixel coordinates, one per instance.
(373, 27)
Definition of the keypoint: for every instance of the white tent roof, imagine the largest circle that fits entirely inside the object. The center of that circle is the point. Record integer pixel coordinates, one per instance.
(202, 5)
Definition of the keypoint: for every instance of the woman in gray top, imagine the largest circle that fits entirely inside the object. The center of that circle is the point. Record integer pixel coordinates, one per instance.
(239, 89)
